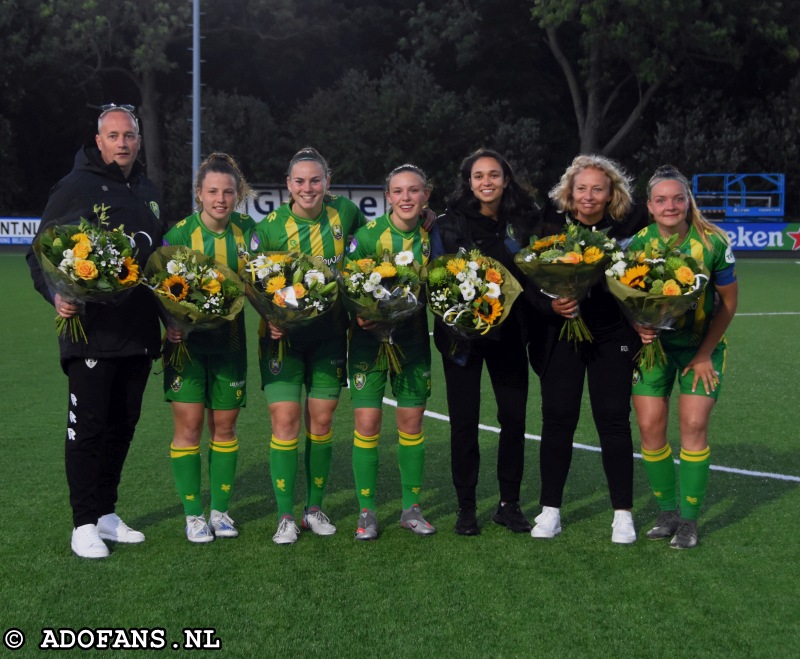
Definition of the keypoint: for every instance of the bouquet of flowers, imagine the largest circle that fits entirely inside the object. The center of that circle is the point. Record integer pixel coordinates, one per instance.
(568, 265)
(386, 291)
(470, 292)
(655, 287)
(195, 292)
(86, 263)
(289, 289)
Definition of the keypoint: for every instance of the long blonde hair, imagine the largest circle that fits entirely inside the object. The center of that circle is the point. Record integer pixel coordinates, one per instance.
(621, 197)
(694, 217)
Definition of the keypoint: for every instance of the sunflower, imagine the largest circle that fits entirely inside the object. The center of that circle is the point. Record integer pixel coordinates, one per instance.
(494, 276)
(129, 272)
(454, 266)
(634, 276)
(488, 309)
(175, 287)
(276, 283)
(386, 269)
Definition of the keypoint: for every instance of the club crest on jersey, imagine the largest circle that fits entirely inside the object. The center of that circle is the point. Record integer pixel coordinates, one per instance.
(637, 376)
(176, 384)
(275, 366)
(426, 248)
(336, 230)
(359, 379)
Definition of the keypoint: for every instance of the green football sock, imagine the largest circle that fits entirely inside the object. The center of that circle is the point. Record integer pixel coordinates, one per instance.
(317, 460)
(283, 471)
(365, 469)
(411, 456)
(693, 478)
(222, 471)
(185, 463)
(660, 470)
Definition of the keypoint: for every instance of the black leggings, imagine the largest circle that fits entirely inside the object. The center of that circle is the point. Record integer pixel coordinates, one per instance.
(609, 366)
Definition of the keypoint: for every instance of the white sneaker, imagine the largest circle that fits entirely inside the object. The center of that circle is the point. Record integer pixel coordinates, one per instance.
(197, 530)
(111, 527)
(287, 531)
(548, 523)
(318, 522)
(86, 543)
(623, 532)
(222, 525)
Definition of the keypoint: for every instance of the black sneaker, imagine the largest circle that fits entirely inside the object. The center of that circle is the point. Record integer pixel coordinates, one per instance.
(665, 526)
(510, 515)
(686, 535)
(467, 522)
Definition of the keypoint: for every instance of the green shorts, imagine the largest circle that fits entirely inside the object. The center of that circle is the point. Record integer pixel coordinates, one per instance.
(411, 387)
(218, 381)
(659, 380)
(318, 365)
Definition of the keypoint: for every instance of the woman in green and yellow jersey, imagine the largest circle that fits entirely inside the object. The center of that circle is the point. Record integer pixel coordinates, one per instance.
(399, 230)
(696, 354)
(214, 376)
(318, 224)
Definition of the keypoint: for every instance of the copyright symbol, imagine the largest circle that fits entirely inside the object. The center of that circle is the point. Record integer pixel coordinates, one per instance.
(14, 639)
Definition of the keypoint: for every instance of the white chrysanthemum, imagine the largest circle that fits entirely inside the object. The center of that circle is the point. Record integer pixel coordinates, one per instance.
(492, 290)
(375, 277)
(406, 257)
(467, 290)
(314, 276)
(618, 269)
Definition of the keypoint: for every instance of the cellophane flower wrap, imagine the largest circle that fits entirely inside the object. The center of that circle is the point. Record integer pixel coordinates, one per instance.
(471, 293)
(87, 263)
(654, 287)
(291, 290)
(567, 265)
(386, 290)
(195, 292)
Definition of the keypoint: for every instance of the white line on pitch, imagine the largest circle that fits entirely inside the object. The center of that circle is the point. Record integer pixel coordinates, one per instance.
(596, 449)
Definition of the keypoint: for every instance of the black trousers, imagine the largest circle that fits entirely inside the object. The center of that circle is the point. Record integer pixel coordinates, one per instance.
(105, 401)
(507, 364)
(608, 364)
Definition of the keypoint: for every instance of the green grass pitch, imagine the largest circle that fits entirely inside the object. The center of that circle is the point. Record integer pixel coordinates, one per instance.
(497, 595)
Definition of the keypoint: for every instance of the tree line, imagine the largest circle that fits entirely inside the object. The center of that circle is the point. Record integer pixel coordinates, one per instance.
(708, 86)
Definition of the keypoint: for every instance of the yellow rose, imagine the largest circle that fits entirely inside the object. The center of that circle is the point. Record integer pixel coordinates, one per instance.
(684, 275)
(85, 269)
(81, 250)
(212, 286)
(671, 288)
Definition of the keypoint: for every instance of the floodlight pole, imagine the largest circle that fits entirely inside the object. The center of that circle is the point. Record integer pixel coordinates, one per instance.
(195, 93)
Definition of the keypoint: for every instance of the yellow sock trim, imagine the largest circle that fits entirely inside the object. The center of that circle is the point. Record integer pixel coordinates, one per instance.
(410, 440)
(696, 456)
(362, 441)
(283, 444)
(658, 455)
(225, 447)
(321, 439)
(181, 451)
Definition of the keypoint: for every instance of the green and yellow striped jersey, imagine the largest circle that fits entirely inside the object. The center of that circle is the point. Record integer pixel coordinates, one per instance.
(324, 237)
(229, 248)
(720, 263)
(381, 235)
